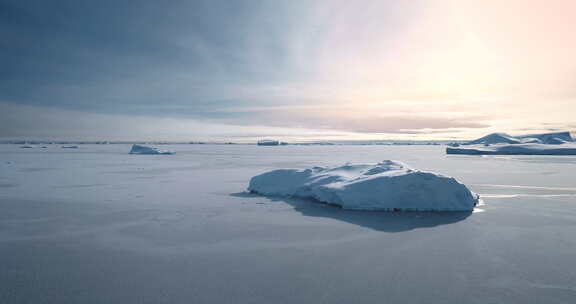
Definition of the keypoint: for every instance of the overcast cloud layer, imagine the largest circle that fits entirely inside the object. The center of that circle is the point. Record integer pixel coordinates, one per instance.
(227, 70)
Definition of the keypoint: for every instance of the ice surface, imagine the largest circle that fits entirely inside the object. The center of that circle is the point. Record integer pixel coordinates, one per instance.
(102, 226)
(139, 149)
(388, 185)
(515, 149)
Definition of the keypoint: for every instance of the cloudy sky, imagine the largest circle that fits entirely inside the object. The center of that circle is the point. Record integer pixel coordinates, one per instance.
(294, 70)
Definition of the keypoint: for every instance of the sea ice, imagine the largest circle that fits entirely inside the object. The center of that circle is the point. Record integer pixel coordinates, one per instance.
(388, 185)
(140, 149)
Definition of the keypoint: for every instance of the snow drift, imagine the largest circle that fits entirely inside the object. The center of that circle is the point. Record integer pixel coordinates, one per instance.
(388, 185)
(140, 149)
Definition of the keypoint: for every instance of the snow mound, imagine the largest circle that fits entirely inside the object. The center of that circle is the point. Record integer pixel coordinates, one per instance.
(388, 185)
(517, 149)
(140, 149)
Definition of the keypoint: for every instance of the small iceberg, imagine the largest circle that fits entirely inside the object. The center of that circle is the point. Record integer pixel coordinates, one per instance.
(27, 147)
(69, 147)
(140, 149)
(388, 186)
(268, 142)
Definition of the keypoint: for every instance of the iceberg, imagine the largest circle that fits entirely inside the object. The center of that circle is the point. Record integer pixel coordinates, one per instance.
(548, 138)
(495, 138)
(268, 142)
(558, 143)
(388, 186)
(517, 149)
(69, 147)
(556, 138)
(140, 149)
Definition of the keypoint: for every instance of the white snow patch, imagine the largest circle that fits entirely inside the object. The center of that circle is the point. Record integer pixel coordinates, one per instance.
(388, 185)
(140, 149)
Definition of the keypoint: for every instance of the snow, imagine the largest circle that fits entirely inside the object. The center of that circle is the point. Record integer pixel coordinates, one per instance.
(140, 149)
(515, 149)
(388, 185)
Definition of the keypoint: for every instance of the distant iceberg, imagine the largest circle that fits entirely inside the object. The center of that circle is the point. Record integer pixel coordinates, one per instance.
(268, 142)
(518, 149)
(495, 138)
(388, 185)
(140, 149)
(69, 147)
(556, 138)
(558, 143)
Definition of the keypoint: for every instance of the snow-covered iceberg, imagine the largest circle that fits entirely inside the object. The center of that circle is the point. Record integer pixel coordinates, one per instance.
(558, 143)
(517, 149)
(495, 138)
(388, 185)
(503, 138)
(140, 149)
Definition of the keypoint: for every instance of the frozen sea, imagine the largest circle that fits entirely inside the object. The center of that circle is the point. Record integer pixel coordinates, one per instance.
(97, 225)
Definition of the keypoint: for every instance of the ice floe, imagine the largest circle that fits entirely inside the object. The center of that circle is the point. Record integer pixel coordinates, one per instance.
(388, 185)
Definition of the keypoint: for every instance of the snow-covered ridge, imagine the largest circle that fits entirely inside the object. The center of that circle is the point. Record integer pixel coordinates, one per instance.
(388, 185)
(140, 149)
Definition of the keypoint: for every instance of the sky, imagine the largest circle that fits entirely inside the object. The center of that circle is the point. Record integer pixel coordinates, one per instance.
(299, 70)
